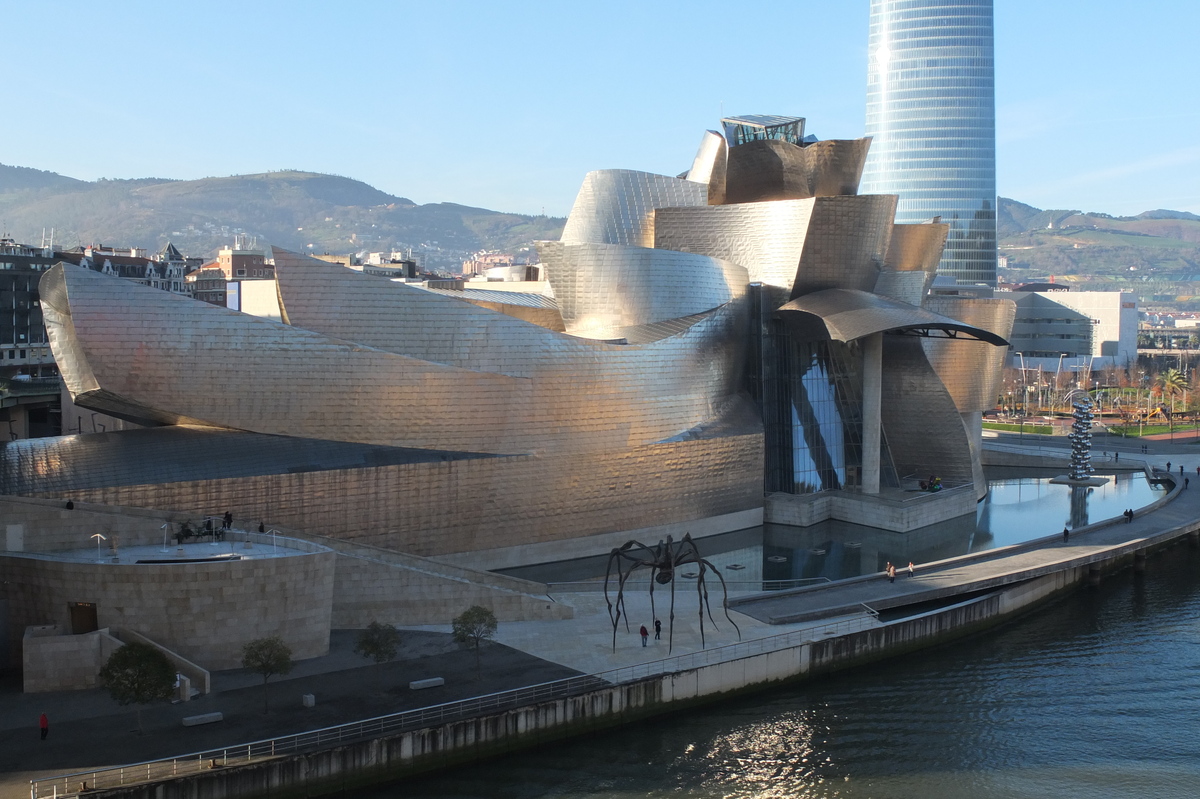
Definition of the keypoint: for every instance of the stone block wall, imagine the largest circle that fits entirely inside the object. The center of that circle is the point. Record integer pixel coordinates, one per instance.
(53, 661)
(433, 509)
(205, 612)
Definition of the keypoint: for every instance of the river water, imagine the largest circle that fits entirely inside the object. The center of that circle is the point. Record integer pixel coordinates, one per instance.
(1096, 695)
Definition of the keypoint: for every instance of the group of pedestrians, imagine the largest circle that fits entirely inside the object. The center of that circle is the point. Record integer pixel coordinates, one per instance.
(646, 633)
(890, 571)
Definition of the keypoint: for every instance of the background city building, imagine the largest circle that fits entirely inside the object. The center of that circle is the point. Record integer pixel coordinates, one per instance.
(1059, 329)
(931, 111)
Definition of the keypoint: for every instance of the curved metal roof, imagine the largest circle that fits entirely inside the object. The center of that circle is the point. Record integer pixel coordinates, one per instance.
(849, 314)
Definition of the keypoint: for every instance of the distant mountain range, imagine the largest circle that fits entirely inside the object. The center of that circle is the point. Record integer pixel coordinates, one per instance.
(340, 215)
(289, 209)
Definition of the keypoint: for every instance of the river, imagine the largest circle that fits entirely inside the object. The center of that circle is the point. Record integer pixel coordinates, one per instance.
(1096, 695)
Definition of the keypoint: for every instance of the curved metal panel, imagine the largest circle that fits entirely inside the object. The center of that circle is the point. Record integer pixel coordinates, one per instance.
(907, 287)
(602, 288)
(971, 372)
(435, 326)
(770, 169)
(709, 166)
(916, 247)
(924, 431)
(616, 206)
(767, 239)
(847, 315)
(846, 242)
(151, 349)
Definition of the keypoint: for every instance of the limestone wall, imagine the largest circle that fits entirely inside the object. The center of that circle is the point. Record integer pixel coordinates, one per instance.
(204, 611)
(432, 509)
(54, 661)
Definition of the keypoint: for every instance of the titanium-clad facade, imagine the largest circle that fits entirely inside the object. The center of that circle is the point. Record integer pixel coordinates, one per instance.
(696, 351)
(931, 110)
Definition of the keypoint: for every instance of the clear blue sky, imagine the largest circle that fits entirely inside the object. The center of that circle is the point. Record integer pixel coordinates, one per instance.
(507, 105)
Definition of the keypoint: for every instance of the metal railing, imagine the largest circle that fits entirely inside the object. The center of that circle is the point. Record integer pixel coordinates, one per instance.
(380, 726)
(755, 586)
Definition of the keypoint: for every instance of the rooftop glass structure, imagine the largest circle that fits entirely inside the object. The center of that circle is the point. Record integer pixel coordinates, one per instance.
(932, 112)
(759, 127)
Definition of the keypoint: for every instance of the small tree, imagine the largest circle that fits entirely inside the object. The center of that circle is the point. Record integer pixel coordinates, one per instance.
(268, 657)
(378, 642)
(138, 674)
(475, 625)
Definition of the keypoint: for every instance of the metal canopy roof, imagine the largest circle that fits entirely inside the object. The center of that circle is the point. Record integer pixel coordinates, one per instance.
(847, 315)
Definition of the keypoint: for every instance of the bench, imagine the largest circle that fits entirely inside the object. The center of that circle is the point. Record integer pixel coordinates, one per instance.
(203, 718)
(431, 682)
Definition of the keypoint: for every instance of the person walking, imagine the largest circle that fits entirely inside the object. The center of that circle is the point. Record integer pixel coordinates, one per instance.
(891, 573)
(1116, 457)
(910, 568)
(44, 725)
(657, 630)
(645, 635)
(1168, 466)
(1066, 535)
(1181, 470)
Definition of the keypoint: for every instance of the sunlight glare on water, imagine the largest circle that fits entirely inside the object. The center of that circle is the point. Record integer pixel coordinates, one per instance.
(1097, 695)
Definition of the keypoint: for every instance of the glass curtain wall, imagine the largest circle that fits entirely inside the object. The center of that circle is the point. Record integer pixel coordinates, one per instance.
(812, 392)
(931, 109)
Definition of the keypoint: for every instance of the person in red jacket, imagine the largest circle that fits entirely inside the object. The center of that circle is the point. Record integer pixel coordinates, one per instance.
(44, 724)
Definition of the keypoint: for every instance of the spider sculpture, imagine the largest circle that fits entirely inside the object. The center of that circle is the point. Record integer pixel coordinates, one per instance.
(662, 560)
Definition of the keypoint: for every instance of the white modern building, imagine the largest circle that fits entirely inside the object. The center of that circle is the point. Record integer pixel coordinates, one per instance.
(1074, 330)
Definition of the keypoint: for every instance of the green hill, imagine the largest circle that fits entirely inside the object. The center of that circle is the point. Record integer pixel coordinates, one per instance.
(303, 211)
(1153, 247)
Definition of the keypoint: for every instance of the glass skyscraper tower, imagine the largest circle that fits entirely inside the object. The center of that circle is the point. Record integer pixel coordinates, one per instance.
(931, 108)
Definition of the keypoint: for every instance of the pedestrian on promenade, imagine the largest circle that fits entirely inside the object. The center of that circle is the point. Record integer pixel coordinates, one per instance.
(887, 569)
(262, 528)
(1181, 470)
(1066, 535)
(657, 630)
(227, 520)
(1128, 514)
(645, 634)
(891, 573)
(44, 725)
(1168, 466)
(1116, 457)
(910, 568)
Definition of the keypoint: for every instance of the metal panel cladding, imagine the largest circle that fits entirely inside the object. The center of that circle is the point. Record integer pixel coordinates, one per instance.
(931, 107)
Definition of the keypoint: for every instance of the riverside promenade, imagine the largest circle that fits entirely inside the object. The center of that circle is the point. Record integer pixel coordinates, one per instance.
(871, 603)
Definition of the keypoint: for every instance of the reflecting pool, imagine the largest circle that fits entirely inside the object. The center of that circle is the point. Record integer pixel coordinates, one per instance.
(1019, 507)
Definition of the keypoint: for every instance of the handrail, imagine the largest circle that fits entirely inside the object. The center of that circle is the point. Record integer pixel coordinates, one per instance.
(196, 762)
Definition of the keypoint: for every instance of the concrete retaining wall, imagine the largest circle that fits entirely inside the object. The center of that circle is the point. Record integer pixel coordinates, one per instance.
(54, 661)
(883, 512)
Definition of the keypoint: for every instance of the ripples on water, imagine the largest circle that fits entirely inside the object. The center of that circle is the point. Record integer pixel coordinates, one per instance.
(1095, 696)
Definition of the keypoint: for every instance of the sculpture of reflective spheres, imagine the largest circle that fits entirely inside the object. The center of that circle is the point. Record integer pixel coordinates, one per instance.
(754, 321)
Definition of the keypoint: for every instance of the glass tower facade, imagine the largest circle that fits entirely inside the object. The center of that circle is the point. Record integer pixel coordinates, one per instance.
(931, 108)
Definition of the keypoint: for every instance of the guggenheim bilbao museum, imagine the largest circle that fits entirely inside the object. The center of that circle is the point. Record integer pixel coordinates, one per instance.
(751, 335)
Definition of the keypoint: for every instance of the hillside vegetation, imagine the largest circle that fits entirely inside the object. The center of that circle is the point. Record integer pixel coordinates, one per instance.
(1158, 246)
(302, 211)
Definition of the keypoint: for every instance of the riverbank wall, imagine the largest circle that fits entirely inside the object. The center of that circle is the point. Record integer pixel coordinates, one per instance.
(362, 763)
